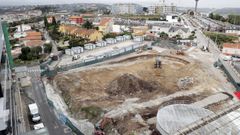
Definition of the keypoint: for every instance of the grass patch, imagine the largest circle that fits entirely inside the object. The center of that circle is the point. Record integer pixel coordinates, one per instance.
(221, 38)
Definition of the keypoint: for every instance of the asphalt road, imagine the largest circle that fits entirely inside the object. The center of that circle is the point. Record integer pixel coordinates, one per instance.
(54, 126)
(54, 45)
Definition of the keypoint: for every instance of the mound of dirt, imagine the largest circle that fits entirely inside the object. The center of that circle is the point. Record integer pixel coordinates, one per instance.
(128, 84)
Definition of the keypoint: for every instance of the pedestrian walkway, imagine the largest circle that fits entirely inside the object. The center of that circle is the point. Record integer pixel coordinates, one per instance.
(34, 70)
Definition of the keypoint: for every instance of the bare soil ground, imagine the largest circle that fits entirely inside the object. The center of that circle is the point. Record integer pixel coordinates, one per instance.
(108, 86)
(93, 91)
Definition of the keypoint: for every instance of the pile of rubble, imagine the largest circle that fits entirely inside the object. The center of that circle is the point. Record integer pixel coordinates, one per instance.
(185, 83)
(128, 84)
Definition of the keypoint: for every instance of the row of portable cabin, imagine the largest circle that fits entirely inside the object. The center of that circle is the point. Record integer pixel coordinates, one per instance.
(108, 41)
(112, 53)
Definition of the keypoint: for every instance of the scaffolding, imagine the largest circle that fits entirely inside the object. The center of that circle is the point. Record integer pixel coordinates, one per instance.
(8, 45)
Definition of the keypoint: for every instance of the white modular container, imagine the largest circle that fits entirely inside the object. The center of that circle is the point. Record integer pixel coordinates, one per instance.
(104, 43)
(77, 50)
(68, 51)
(89, 46)
(99, 44)
(94, 46)
(138, 39)
(111, 41)
(120, 38)
(127, 37)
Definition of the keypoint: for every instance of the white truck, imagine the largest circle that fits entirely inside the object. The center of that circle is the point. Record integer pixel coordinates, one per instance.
(33, 108)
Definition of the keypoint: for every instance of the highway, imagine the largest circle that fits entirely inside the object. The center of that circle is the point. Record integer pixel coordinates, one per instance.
(54, 126)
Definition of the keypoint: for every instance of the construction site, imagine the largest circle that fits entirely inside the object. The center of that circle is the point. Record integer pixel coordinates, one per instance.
(126, 95)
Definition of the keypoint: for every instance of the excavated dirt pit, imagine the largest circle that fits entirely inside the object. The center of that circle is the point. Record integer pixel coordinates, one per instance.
(91, 92)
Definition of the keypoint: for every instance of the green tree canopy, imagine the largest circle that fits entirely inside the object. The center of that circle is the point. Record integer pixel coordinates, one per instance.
(54, 22)
(88, 25)
(46, 22)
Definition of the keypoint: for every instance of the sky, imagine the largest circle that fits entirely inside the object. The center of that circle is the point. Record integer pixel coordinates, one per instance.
(179, 3)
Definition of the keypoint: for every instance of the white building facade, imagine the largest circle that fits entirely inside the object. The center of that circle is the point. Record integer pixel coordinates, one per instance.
(126, 8)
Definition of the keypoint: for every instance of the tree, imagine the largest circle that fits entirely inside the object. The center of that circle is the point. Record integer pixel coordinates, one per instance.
(25, 50)
(234, 19)
(179, 19)
(191, 37)
(145, 9)
(88, 25)
(178, 37)
(24, 53)
(76, 42)
(47, 48)
(46, 22)
(211, 15)
(54, 22)
(163, 35)
(109, 35)
(36, 51)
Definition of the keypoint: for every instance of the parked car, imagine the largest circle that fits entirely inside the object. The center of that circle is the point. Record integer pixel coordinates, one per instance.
(33, 108)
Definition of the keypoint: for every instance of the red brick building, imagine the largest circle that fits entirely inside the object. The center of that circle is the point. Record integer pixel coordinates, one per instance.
(76, 19)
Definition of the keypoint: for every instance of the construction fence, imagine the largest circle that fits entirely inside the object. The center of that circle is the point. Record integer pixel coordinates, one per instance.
(64, 119)
(89, 61)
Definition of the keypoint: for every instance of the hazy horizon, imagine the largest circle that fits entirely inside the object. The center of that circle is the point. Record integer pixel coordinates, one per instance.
(179, 3)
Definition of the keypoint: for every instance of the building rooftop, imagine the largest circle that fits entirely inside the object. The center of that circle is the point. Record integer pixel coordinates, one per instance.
(231, 45)
(75, 17)
(174, 29)
(104, 21)
(34, 43)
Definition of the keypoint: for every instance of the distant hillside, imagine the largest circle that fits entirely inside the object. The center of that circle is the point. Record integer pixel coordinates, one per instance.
(203, 10)
(227, 11)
